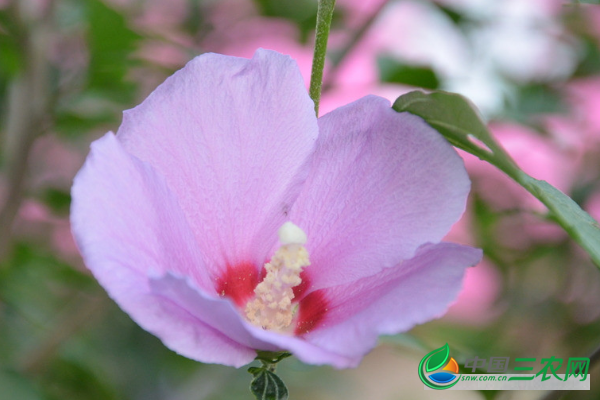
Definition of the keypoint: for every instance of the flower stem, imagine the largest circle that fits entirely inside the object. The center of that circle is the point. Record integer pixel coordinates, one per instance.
(324, 15)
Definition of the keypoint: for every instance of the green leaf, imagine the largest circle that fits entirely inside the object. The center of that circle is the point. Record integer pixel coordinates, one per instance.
(111, 44)
(450, 114)
(16, 387)
(77, 379)
(489, 394)
(70, 123)
(531, 100)
(58, 200)
(393, 71)
(579, 225)
(303, 13)
(437, 358)
(11, 50)
(455, 16)
(266, 385)
(590, 62)
(457, 119)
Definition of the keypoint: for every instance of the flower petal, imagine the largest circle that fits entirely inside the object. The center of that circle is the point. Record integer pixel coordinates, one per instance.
(233, 138)
(382, 184)
(221, 315)
(218, 313)
(392, 301)
(129, 226)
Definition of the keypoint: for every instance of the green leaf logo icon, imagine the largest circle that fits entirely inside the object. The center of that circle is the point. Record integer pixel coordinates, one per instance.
(437, 358)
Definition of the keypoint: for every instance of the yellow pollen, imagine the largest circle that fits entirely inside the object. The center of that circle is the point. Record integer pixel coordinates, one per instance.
(272, 306)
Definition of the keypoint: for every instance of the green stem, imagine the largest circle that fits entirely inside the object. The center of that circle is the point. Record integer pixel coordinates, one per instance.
(271, 357)
(324, 15)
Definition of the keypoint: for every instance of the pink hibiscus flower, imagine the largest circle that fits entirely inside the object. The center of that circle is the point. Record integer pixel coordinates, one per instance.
(178, 216)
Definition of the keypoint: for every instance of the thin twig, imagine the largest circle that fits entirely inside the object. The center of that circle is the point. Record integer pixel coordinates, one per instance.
(358, 35)
(27, 113)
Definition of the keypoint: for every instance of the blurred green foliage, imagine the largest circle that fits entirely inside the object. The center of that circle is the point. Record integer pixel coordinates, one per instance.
(393, 71)
(303, 13)
(111, 43)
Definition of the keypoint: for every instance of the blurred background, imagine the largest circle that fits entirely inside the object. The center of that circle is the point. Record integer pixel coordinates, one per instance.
(69, 67)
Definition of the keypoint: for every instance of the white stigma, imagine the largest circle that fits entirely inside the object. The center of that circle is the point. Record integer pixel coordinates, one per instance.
(291, 234)
(272, 306)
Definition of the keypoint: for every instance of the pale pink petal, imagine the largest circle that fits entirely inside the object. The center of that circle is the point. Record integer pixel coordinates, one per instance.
(128, 225)
(382, 184)
(174, 326)
(221, 315)
(233, 139)
(218, 313)
(353, 315)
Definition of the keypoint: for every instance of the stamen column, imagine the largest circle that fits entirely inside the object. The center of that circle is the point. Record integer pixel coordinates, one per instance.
(272, 307)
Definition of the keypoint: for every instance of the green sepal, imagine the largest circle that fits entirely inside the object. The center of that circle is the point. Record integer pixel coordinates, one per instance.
(271, 357)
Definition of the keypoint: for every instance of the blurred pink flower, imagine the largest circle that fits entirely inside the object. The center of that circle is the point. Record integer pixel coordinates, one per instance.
(592, 205)
(178, 214)
(476, 302)
(584, 95)
(592, 13)
(567, 133)
(54, 162)
(160, 14)
(163, 54)
(355, 11)
(62, 240)
(155, 15)
(32, 210)
(521, 40)
(356, 77)
(578, 132)
(37, 224)
(244, 37)
(539, 156)
(52, 165)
